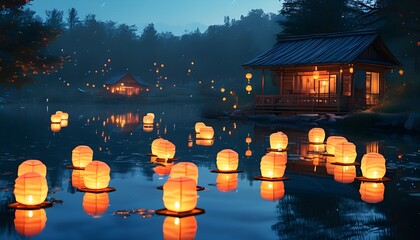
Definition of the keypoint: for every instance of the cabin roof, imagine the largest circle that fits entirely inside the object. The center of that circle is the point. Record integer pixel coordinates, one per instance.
(329, 48)
(120, 76)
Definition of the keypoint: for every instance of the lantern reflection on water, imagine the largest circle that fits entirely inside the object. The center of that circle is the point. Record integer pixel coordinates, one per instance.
(81, 156)
(344, 174)
(32, 165)
(95, 203)
(372, 192)
(180, 194)
(316, 135)
(226, 182)
(77, 178)
(227, 160)
(185, 169)
(272, 191)
(29, 223)
(373, 166)
(316, 147)
(55, 127)
(198, 126)
(332, 141)
(30, 189)
(204, 142)
(163, 170)
(345, 153)
(330, 167)
(179, 228)
(273, 165)
(97, 175)
(278, 141)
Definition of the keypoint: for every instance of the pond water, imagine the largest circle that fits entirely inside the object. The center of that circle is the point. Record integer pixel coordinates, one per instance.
(312, 204)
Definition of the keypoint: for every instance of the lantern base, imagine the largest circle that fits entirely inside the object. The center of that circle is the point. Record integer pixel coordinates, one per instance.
(164, 160)
(198, 188)
(323, 153)
(271, 179)
(166, 212)
(102, 190)
(363, 179)
(75, 168)
(226, 171)
(146, 125)
(346, 164)
(209, 139)
(151, 155)
(17, 205)
(277, 150)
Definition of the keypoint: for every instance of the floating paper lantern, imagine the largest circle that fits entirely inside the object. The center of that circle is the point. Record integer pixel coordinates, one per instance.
(278, 141)
(345, 153)
(64, 123)
(272, 191)
(206, 132)
(155, 145)
(77, 178)
(165, 149)
(273, 165)
(248, 139)
(316, 135)
(203, 142)
(179, 228)
(31, 189)
(227, 160)
(81, 156)
(373, 166)
(63, 115)
(163, 170)
(180, 194)
(226, 182)
(151, 114)
(344, 174)
(185, 169)
(32, 165)
(95, 203)
(29, 223)
(332, 141)
(248, 153)
(55, 127)
(198, 126)
(55, 118)
(148, 120)
(372, 192)
(97, 175)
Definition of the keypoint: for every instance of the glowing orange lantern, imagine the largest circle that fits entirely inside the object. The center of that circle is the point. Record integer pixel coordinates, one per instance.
(30, 189)
(165, 149)
(148, 120)
(155, 145)
(163, 170)
(63, 115)
(273, 165)
(97, 175)
(81, 156)
(248, 139)
(77, 178)
(198, 126)
(151, 114)
(278, 141)
(345, 152)
(55, 127)
(332, 141)
(64, 123)
(185, 169)
(272, 191)
(179, 228)
(344, 174)
(372, 192)
(95, 203)
(32, 166)
(373, 166)
(180, 194)
(29, 223)
(227, 160)
(248, 153)
(206, 132)
(226, 182)
(55, 118)
(316, 135)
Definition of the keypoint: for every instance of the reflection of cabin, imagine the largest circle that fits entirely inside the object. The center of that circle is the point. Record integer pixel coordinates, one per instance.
(335, 72)
(126, 84)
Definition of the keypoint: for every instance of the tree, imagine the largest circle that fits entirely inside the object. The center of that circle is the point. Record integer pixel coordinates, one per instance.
(72, 19)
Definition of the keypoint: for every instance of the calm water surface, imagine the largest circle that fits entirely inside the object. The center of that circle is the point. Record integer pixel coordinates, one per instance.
(315, 203)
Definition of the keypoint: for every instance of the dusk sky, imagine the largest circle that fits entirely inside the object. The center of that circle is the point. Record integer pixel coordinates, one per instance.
(176, 16)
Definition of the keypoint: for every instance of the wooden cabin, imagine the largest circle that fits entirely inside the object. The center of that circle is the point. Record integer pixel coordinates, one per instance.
(126, 84)
(334, 72)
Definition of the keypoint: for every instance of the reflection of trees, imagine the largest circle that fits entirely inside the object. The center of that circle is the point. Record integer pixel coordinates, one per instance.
(7, 214)
(320, 217)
